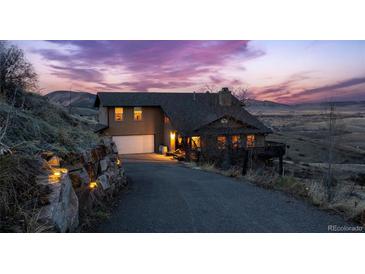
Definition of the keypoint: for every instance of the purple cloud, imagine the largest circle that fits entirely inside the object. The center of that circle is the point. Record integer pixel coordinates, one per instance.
(348, 87)
(143, 65)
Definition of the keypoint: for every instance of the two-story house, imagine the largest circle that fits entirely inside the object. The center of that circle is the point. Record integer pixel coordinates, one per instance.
(139, 122)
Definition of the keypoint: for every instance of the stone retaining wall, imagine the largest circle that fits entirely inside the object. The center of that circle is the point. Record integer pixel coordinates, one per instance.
(78, 183)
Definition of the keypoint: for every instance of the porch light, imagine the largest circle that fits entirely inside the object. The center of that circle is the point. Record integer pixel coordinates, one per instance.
(172, 141)
(118, 162)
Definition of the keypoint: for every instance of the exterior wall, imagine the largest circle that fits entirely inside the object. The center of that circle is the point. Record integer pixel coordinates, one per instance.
(103, 115)
(260, 140)
(151, 123)
(167, 128)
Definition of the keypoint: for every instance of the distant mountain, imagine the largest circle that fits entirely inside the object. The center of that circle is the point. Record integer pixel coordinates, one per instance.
(77, 99)
(265, 103)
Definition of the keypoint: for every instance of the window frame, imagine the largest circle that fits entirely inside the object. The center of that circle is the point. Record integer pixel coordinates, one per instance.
(221, 144)
(134, 114)
(115, 114)
(195, 142)
(236, 144)
(253, 144)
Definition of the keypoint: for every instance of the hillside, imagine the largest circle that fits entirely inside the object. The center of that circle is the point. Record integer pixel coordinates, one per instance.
(73, 98)
(81, 103)
(29, 127)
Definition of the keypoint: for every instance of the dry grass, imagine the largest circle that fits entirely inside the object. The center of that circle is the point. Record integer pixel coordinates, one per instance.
(19, 192)
(345, 201)
(35, 126)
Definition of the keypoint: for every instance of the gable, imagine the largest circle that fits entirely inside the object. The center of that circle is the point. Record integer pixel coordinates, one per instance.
(226, 124)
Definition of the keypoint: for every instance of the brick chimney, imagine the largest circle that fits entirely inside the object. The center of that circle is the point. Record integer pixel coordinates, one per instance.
(225, 97)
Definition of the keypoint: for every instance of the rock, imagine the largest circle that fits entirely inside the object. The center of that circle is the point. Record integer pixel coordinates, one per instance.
(104, 181)
(46, 155)
(87, 156)
(63, 210)
(104, 164)
(79, 177)
(121, 172)
(54, 161)
(114, 148)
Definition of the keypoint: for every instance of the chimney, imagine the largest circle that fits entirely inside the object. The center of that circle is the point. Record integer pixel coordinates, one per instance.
(225, 97)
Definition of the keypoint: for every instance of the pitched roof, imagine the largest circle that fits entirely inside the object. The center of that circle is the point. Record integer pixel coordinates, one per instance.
(188, 112)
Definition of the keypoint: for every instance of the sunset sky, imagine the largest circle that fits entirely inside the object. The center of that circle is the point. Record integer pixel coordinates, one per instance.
(281, 71)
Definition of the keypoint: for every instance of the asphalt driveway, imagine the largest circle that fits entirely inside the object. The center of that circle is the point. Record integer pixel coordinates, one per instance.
(165, 196)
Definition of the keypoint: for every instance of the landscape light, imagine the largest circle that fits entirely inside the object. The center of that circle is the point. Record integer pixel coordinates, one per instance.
(57, 173)
(93, 185)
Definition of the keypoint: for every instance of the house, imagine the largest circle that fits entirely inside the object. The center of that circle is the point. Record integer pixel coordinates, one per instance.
(140, 122)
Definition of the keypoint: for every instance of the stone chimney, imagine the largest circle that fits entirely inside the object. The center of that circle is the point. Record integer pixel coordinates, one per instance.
(225, 97)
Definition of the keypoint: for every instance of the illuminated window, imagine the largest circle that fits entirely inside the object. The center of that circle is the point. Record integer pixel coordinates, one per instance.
(236, 141)
(137, 113)
(118, 114)
(166, 120)
(250, 141)
(195, 142)
(221, 142)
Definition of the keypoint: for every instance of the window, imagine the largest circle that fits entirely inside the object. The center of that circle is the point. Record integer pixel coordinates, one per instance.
(250, 141)
(221, 142)
(118, 114)
(236, 141)
(195, 142)
(137, 114)
(179, 140)
(166, 120)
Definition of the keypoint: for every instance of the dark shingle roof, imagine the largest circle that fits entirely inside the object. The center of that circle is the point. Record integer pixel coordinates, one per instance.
(187, 111)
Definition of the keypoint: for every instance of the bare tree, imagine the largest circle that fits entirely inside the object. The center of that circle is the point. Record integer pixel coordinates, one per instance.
(15, 70)
(241, 93)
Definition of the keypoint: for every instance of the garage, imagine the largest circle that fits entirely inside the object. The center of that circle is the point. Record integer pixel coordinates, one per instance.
(135, 144)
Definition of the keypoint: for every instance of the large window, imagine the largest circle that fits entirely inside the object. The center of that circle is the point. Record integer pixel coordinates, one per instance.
(118, 114)
(250, 141)
(236, 140)
(195, 142)
(137, 113)
(221, 142)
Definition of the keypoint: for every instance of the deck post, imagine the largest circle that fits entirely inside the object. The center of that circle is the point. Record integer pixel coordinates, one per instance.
(281, 164)
(245, 160)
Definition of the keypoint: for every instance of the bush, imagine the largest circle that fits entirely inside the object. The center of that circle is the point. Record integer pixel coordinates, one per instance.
(291, 185)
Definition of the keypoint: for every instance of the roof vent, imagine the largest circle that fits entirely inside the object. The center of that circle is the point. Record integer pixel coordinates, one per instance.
(225, 97)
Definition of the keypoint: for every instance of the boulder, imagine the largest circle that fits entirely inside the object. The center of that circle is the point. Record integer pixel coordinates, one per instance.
(104, 182)
(79, 177)
(87, 156)
(63, 209)
(104, 164)
(121, 172)
(54, 161)
(114, 148)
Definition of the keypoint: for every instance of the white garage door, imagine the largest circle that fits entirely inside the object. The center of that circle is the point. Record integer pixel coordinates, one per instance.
(134, 144)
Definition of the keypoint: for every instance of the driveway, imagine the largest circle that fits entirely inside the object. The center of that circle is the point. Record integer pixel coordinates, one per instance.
(165, 196)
